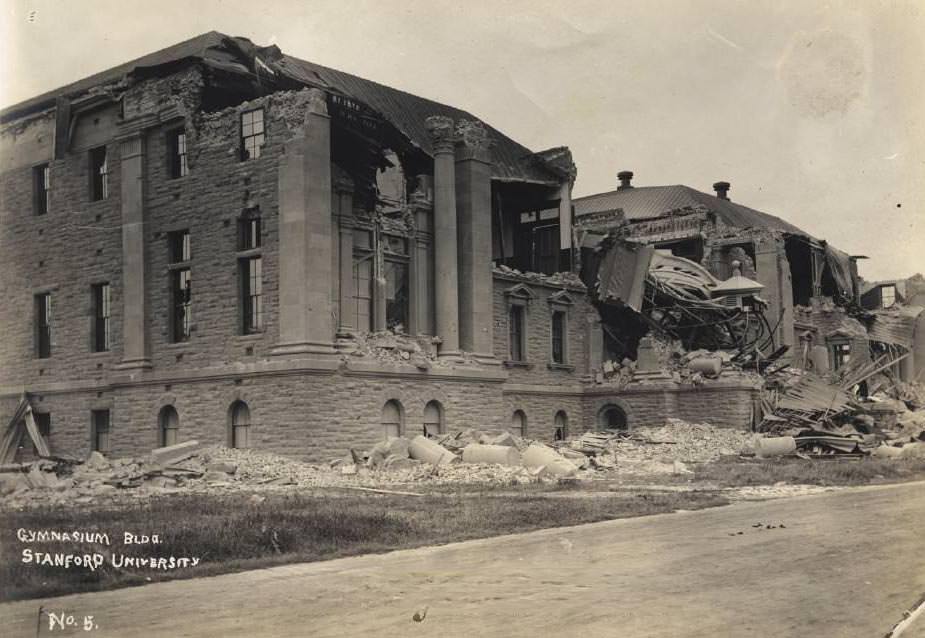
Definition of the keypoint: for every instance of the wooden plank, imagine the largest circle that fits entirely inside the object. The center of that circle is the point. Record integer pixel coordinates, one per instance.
(37, 439)
(11, 437)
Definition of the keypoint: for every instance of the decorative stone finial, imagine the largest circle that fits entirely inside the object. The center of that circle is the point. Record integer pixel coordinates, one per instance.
(473, 140)
(441, 132)
(736, 268)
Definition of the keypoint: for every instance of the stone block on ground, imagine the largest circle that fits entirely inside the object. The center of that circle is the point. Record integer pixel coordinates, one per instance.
(222, 466)
(496, 454)
(175, 453)
(424, 449)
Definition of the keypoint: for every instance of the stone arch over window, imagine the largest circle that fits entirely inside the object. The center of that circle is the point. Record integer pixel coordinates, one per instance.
(433, 419)
(612, 417)
(392, 417)
(519, 423)
(240, 430)
(168, 426)
(560, 423)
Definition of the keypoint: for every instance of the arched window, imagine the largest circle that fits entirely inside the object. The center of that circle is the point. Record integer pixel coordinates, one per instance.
(612, 417)
(169, 425)
(561, 426)
(240, 425)
(433, 419)
(519, 423)
(391, 418)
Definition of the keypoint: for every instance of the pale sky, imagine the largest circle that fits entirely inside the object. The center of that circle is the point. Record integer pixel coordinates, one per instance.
(812, 110)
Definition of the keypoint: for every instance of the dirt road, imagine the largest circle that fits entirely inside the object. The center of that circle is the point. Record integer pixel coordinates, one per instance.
(843, 564)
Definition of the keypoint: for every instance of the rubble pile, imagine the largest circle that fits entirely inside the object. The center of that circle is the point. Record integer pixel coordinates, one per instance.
(393, 347)
(466, 457)
(564, 278)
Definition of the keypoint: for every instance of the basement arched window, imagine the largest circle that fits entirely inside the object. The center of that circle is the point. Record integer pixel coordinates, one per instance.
(391, 418)
(169, 426)
(433, 419)
(240, 425)
(519, 423)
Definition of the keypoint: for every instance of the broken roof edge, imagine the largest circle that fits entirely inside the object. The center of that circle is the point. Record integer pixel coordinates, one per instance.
(512, 163)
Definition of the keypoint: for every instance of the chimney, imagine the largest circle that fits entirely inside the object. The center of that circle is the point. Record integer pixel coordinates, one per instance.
(625, 178)
(722, 189)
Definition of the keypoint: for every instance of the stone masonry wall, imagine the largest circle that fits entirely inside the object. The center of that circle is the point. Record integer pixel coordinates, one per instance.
(538, 320)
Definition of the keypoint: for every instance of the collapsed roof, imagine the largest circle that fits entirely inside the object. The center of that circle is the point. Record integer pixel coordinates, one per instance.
(269, 67)
(643, 202)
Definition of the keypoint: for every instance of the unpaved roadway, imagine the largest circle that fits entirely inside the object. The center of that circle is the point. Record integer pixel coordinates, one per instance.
(846, 563)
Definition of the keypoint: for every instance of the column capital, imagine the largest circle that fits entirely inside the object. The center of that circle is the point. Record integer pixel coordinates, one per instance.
(473, 141)
(442, 133)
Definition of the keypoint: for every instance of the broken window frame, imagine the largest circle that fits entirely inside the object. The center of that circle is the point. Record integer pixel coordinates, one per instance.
(884, 297)
(41, 189)
(397, 309)
(100, 437)
(177, 153)
(839, 351)
(101, 302)
(99, 173)
(180, 279)
(43, 323)
(252, 134)
(381, 262)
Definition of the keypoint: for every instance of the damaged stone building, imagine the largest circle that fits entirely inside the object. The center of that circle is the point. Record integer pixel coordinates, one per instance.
(223, 242)
(802, 295)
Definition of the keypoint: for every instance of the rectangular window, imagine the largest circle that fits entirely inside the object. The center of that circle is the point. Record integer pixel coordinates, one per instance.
(546, 249)
(102, 311)
(100, 431)
(179, 246)
(181, 293)
(841, 354)
(363, 278)
(99, 174)
(516, 326)
(252, 134)
(176, 149)
(887, 296)
(252, 294)
(41, 186)
(396, 296)
(249, 233)
(43, 423)
(43, 325)
(558, 337)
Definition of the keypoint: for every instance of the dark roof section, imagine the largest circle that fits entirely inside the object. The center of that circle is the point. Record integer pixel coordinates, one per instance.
(652, 201)
(407, 112)
(194, 47)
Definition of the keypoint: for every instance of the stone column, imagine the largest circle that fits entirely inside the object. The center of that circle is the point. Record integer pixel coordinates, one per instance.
(305, 236)
(565, 217)
(446, 281)
(135, 353)
(595, 341)
(473, 214)
(422, 258)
